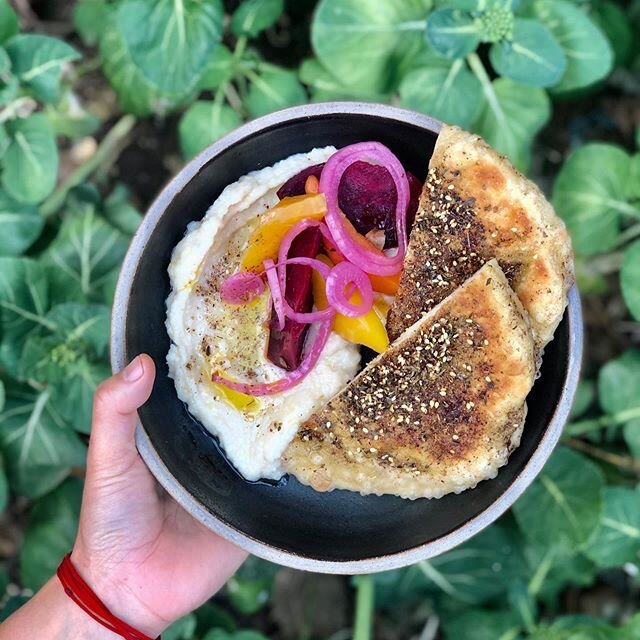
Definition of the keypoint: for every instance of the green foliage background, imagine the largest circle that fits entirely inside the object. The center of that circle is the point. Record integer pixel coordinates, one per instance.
(507, 69)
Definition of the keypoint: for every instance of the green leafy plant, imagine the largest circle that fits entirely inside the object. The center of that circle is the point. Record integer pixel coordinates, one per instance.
(54, 299)
(53, 349)
(180, 57)
(597, 192)
(506, 69)
(34, 101)
(243, 85)
(435, 55)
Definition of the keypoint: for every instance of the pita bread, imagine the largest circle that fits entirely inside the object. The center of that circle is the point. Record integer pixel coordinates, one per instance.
(437, 412)
(476, 206)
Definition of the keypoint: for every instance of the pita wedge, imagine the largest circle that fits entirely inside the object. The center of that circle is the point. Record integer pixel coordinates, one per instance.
(437, 412)
(476, 206)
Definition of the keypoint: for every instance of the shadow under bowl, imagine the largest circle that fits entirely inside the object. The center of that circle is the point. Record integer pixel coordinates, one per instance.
(289, 523)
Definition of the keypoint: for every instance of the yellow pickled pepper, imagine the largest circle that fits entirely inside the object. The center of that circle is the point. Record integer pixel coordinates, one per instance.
(274, 224)
(368, 329)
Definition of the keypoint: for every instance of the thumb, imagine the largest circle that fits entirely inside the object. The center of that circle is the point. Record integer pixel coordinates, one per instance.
(111, 445)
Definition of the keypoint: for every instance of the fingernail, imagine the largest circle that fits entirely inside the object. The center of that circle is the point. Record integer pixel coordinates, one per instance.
(134, 370)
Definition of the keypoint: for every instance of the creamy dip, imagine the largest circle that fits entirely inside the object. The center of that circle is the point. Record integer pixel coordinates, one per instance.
(207, 334)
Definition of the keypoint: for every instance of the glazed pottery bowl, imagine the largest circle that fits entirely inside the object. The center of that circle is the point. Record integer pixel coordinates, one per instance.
(287, 522)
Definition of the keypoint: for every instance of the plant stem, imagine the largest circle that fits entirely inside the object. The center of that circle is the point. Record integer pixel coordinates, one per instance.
(238, 51)
(594, 424)
(430, 629)
(540, 574)
(412, 25)
(602, 265)
(625, 208)
(267, 66)
(107, 147)
(626, 463)
(253, 77)
(19, 108)
(481, 73)
(233, 98)
(363, 623)
(87, 67)
(629, 234)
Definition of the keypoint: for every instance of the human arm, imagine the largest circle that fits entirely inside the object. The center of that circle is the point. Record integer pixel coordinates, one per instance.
(148, 560)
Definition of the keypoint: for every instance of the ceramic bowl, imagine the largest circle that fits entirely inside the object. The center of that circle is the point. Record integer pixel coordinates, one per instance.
(289, 523)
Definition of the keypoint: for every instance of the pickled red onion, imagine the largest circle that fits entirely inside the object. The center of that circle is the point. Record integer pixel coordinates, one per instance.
(343, 274)
(268, 388)
(276, 292)
(241, 287)
(285, 307)
(288, 239)
(340, 280)
(330, 177)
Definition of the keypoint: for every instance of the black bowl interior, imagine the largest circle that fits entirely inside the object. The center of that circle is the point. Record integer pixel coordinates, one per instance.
(338, 526)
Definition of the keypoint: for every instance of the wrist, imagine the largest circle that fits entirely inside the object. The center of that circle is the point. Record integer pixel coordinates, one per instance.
(115, 594)
(52, 615)
(76, 624)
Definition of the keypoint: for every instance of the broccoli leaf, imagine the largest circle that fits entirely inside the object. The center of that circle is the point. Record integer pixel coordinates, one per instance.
(273, 89)
(616, 541)
(254, 16)
(590, 194)
(204, 122)
(619, 393)
(589, 55)
(84, 253)
(481, 624)
(562, 506)
(449, 92)
(511, 116)
(452, 33)
(155, 68)
(367, 45)
(39, 447)
(38, 61)
(50, 534)
(31, 159)
(8, 21)
(90, 18)
(21, 225)
(4, 496)
(630, 279)
(24, 301)
(532, 57)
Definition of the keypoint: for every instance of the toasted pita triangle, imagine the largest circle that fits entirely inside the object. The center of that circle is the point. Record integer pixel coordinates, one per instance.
(437, 412)
(475, 206)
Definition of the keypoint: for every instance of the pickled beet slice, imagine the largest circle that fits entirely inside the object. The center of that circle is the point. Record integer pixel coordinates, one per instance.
(367, 196)
(286, 345)
(295, 186)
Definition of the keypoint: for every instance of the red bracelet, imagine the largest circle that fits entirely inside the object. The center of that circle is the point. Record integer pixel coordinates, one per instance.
(82, 594)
